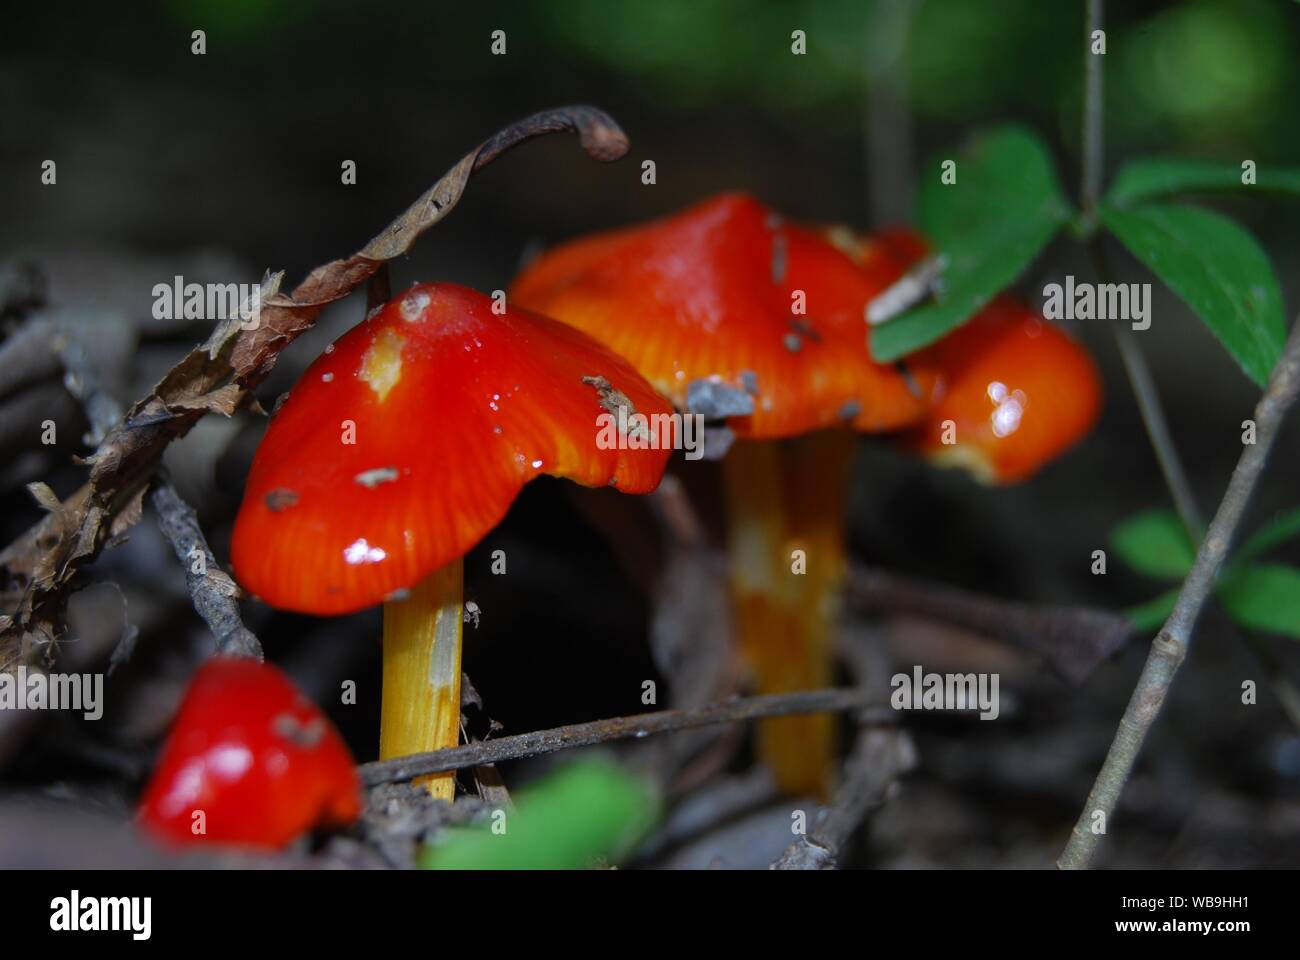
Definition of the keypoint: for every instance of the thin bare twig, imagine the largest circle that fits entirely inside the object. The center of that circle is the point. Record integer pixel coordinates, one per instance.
(1276, 674)
(79, 378)
(27, 355)
(1170, 645)
(1071, 640)
(1152, 411)
(870, 775)
(887, 131)
(879, 758)
(1135, 365)
(622, 728)
(215, 595)
(1094, 131)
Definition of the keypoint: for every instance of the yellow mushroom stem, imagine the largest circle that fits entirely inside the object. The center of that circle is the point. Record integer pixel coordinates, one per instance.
(420, 710)
(786, 507)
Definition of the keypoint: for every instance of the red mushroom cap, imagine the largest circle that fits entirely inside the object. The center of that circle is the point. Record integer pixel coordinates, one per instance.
(707, 295)
(258, 758)
(408, 439)
(1015, 390)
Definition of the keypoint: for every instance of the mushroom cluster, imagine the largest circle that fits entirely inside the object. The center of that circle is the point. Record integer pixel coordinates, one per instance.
(738, 315)
(406, 442)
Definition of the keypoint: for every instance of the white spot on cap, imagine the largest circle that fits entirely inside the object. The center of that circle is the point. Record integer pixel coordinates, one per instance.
(362, 552)
(327, 377)
(373, 478)
(413, 306)
(229, 761)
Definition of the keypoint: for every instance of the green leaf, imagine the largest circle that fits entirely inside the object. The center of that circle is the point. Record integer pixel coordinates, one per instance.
(989, 226)
(1151, 616)
(1004, 174)
(1217, 269)
(1265, 597)
(1152, 177)
(1154, 543)
(1276, 532)
(577, 816)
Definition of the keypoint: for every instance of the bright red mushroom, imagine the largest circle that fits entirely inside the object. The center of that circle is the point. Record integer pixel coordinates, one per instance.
(250, 761)
(400, 448)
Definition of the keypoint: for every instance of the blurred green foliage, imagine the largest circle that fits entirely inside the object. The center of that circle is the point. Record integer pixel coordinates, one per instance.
(1187, 76)
(1258, 596)
(584, 814)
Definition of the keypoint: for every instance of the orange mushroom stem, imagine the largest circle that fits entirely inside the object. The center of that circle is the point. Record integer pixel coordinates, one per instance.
(400, 448)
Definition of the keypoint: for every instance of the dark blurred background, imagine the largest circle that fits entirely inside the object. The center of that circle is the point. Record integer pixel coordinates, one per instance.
(222, 165)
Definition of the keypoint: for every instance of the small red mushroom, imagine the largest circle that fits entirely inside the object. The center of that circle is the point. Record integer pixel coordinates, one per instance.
(1012, 393)
(401, 447)
(1008, 392)
(249, 761)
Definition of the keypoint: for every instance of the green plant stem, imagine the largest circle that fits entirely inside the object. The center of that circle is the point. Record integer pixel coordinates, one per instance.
(1152, 412)
(1093, 128)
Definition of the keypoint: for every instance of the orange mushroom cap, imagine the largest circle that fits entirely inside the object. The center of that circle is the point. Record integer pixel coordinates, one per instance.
(408, 439)
(1012, 392)
(707, 297)
(1007, 389)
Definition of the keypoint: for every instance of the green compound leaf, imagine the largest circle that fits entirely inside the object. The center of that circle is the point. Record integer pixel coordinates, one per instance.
(1217, 269)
